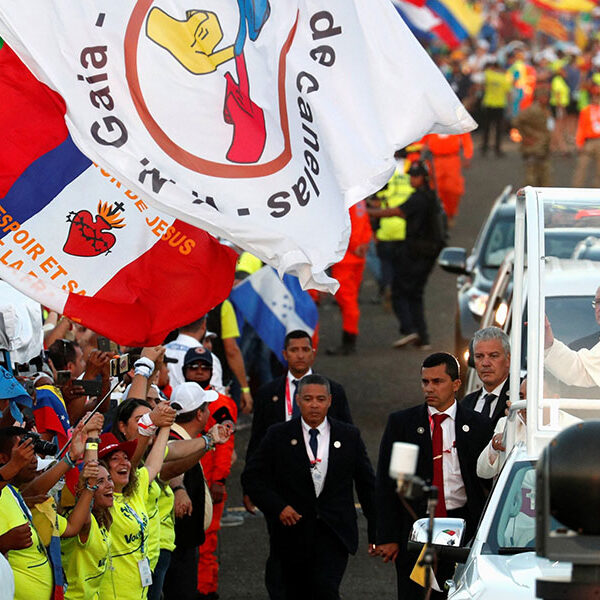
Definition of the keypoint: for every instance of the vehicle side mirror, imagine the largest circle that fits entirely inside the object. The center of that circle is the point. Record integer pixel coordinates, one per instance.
(453, 260)
(448, 535)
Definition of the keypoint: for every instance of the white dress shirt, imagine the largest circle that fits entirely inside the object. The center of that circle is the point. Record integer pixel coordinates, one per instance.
(581, 367)
(291, 386)
(177, 349)
(455, 494)
(318, 463)
(481, 400)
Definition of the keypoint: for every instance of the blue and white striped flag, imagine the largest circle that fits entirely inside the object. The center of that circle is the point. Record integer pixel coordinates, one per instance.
(274, 307)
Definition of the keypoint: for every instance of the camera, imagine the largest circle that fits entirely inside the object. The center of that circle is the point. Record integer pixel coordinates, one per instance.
(40, 446)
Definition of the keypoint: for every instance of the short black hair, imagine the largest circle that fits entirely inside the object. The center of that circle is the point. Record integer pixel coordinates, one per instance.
(314, 379)
(62, 352)
(443, 358)
(194, 325)
(7, 435)
(297, 334)
(189, 416)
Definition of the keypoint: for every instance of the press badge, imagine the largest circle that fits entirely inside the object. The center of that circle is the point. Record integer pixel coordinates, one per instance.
(145, 572)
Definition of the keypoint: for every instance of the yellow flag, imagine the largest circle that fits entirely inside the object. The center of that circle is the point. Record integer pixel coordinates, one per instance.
(418, 572)
(44, 520)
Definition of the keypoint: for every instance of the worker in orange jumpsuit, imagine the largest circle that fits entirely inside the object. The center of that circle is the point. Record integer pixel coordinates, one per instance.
(216, 466)
(349, 273)
(447, 168)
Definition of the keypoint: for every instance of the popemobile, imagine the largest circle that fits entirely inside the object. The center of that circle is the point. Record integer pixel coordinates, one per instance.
(538, 535)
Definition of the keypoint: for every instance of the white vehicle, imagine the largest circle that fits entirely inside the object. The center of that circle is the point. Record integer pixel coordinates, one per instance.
(562, 383)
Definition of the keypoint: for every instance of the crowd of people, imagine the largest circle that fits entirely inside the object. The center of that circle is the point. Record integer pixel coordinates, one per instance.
(114, 462)
(131, 504)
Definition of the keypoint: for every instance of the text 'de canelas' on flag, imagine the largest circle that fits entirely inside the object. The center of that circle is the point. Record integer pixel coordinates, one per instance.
(81, 242)
(259, 121)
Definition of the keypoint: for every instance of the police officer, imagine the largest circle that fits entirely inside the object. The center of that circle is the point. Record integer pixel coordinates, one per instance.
(416, 257)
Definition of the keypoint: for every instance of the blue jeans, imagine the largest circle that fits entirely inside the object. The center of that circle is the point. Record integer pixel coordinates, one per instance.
(158, 577)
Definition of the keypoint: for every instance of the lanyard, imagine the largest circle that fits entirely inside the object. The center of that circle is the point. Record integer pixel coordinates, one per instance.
(140, 523)
(320, 451)
(288, 398)
(19, 499)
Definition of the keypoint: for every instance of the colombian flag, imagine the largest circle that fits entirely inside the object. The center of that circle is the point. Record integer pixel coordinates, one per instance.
(77, 240)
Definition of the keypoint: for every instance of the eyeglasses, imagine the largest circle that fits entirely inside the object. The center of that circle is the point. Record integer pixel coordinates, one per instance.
(595, 302)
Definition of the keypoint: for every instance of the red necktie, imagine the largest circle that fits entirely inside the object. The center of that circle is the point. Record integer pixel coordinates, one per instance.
(437, 439)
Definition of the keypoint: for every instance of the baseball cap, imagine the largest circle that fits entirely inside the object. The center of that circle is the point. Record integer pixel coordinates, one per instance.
(109, 444)
(189, 396)
(197, 354)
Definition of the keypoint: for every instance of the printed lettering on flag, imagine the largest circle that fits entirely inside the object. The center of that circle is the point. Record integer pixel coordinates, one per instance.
(79, 241)
(260, 122)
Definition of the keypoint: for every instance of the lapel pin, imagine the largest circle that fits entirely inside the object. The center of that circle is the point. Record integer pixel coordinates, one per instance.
(294, 441)
(337, 444)
(421, 430)
(465, 428)
(275, 398)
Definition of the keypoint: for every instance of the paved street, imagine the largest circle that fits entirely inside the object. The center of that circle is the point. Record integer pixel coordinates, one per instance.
(378, 380)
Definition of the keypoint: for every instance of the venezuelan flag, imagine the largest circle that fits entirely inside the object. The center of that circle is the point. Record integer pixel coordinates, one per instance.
(461, 19)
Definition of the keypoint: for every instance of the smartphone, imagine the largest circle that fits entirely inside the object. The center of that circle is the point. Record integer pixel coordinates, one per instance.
(92, 387)
(103, 344)
(62, 378)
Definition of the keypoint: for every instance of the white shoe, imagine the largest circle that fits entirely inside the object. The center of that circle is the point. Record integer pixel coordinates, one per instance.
(405, 340)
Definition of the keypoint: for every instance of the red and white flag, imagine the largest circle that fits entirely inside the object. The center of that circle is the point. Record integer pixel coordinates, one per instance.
(261, 122)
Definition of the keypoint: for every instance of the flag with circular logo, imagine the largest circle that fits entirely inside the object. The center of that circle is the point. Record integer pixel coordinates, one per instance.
(261, 122)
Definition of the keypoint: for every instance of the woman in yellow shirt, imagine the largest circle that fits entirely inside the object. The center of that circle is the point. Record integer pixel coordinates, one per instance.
(86, 557)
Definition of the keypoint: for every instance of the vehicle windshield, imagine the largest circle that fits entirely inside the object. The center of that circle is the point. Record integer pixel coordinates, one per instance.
(570, 350)
(513, 526)
(559, 241)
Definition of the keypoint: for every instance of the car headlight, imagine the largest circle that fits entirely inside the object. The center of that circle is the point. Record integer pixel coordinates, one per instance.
(477, 301)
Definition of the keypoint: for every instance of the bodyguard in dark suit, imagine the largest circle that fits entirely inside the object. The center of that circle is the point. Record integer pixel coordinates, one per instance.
(274, 401)
(450, 439)
(301, 477)
(491, 354)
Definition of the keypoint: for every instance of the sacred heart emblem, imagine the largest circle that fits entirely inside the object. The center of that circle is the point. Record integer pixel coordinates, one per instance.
(91, 236)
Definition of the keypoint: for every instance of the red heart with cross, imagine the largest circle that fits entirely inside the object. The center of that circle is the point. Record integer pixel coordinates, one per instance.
(88, 236)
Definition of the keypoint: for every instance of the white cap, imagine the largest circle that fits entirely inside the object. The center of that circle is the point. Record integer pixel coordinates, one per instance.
(189, 396)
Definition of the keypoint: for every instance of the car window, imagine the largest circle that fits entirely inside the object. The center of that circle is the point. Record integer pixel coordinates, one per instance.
(514, 523)
(500, 240)
(562, 245)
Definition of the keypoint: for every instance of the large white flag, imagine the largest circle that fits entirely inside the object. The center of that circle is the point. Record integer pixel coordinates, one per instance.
(261, 122)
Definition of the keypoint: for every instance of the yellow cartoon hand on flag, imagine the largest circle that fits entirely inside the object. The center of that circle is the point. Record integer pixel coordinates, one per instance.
(192, 42)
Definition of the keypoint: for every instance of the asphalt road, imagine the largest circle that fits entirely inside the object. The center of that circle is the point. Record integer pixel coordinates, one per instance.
(378, 380)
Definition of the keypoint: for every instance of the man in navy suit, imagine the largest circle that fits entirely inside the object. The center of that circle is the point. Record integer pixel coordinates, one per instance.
(302, 477)
(450, 439)
(491, 354)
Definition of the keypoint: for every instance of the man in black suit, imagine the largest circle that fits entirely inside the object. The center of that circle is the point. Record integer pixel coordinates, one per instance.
(450, 438)
(491, 354)
(301, 477)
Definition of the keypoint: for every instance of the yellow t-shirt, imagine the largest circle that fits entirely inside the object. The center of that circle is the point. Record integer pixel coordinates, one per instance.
(86, 564)
(166, 501)
(396, 193)
(229, 325)
(129, 542)
(153, 524)
(31, 567)
(496, 88)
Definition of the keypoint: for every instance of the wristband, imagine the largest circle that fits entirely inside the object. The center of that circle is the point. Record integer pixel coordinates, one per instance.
(68, 460)
(91, 488)
(144, 366)
(91, 445)
(178, 487)
(245, 390)
(93, 439)
(146, 427)
(209, 441)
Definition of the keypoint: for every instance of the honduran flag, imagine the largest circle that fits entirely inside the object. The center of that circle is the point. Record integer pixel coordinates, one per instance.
(274, 307)
(50, 414)
(77, 240)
